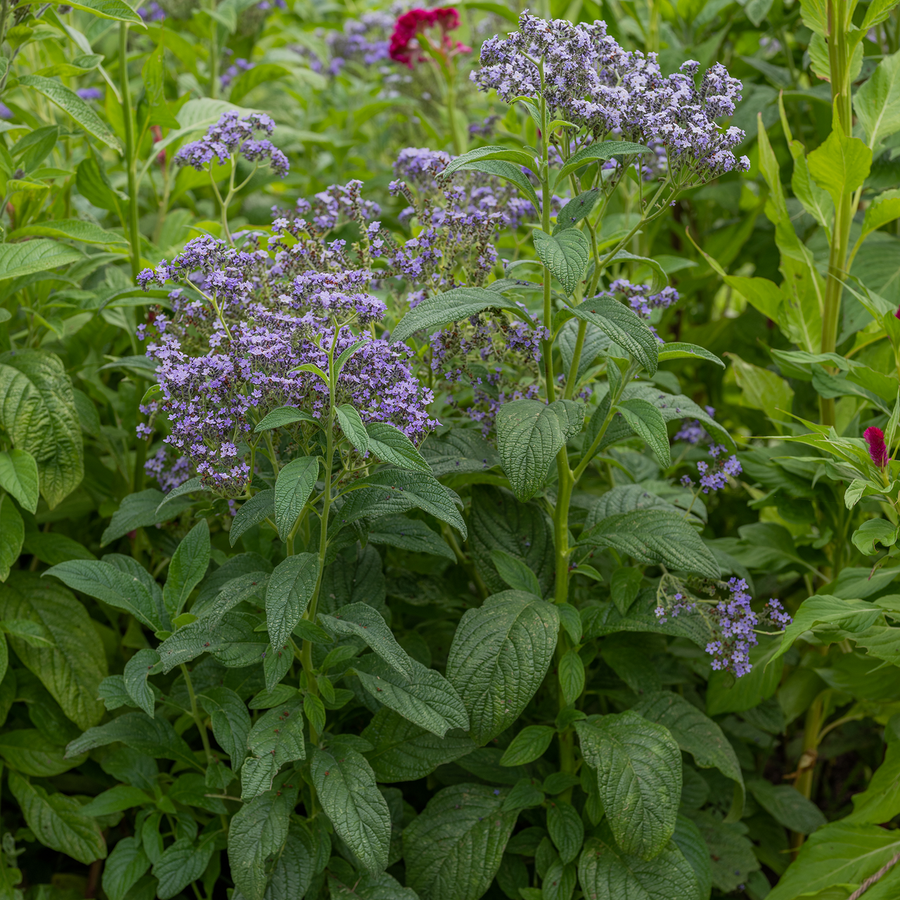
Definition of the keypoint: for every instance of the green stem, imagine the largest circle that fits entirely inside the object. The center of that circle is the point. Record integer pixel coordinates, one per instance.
(134, 234)
(449, 73)
(812, 732)
(195, 714)
(546, 345)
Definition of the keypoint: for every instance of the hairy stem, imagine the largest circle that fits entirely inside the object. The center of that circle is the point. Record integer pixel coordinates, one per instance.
(134, 234)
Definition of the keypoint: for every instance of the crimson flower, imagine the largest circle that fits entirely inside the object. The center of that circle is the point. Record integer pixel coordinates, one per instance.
(877, 450)
(405, 47)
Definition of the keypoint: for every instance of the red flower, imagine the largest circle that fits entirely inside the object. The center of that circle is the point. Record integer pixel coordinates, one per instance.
(404, 46)
(877, 450)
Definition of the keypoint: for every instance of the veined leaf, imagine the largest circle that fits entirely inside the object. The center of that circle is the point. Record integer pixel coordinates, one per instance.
(19, 477)
(28, 257)
(623, 326)
(12, 535)
(392, 446)
(255, 510)
(68, 229)
(602, 150)
(565, 254)
(107, 9)
(364, 621)
(647, 422)
(187, 568)
(293, 488)
(288, 593)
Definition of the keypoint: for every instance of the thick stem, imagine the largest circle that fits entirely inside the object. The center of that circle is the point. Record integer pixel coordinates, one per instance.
(195, 714)
(812, 732)
(134, 234)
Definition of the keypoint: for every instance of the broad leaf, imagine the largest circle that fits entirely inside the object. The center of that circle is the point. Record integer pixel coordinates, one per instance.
(840, 165)
(877, 102)
(12, 535)
(187, 568)
(140, 510)
(19, 477)
(787, 806)
(602, 150)
(181, 863)
(255, 510)
(647, 422)
(566, 830)
(144, 663)
(230, 722)
(292, 489)
(623, 326)
(69, 229)
(363, 621)
(288, 593)
(565, 254)
(124, 868)
(529, 744)
(392, 446)
(29, 257)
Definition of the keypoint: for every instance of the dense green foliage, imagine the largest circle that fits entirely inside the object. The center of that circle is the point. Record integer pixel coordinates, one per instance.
(427, 549)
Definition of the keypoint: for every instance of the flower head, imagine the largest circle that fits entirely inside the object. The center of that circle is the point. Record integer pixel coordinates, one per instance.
(877, 450)
(413, 28)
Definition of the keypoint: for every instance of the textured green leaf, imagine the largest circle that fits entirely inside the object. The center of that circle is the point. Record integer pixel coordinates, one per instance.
(392, 446)
(602, 150)
(37, 410)
(840, 165)
(515, 573)
(230, 722)
(451, 306)
(283, 416)
(396, 491)
(576, 209)
(107, 9)
(373, 887)
(826, 613)
(12, 535)
(499, 657)
(647, 423)
(116, 799)
(695, 850)
(409, 534)
(559, 882)
(124, 867)
(638, 766)
(724, 693)
(459, 450)
(529, 744)
(140, 510)
(405, 752)
(426, 698)
(529, 435)
(154, 737)
(566, 830)
(655, 536)
(29, 257)
(19, 477)
(508, 172)
(28, 751)
(288, 593)
(180, 864)
(362, 621)
(71, 669)
(57, 822)
(292, 489)
(519, 157)
(352, 426)
(255, 510)
(877, 102)
(187, 568)
(680, 350)
(571, 676)
(606, 873)
(565, 254)
(258, 831)
(454, 847)
(732, 856)
(120, 589)
(69, 229)
(623, 326)
(787, 806)
(345, 786)
(144, 663)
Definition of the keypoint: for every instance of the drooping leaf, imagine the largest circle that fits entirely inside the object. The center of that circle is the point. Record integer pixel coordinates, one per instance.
(230, 722)
(137, 669)
(141, 510)
(409, 534)
(623, 326)
(566, 830)
(392, 446)
(124, 868)
(187, 568)
(180, 864)
(363, 621)
(288, 593)
(647, 422)
(19, 477)
(255, 510)
(787, 806)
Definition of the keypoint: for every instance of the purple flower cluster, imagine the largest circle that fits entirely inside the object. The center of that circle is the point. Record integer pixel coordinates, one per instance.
(152, 12)
(169, 473)
(640, 298)
(90, 93)
(715, 478)
(235, 69)
(736, 623)
(243, 320)
(365, 41)
(692, 431)
(233, 135)
(590, 80)
(678, 605)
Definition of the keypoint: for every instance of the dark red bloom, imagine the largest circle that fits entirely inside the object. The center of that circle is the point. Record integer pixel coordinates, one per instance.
(414, 23)
(897, 314)
(877, 450)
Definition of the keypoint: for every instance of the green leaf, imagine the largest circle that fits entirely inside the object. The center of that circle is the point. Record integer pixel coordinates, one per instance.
(33, 633)
(123, 869)
(19, 477)
(623, 326)
(827, 613)
(679, 350)
(28, 751)
(576, 209)
(293, 488)
(117, 799)
(880, 801)
(607, 873)
(519, 157)
(454, 847)
(638, 766)
(409, 534)
(872, 532)
(787, 806)
(255, 510)
(141, 510)
(257, 832)
(529, 744)
(28, 257)
(566, 830)
(403, 751)
(187, 568)
(345, 786)
(71, 669)
(57, 822)
(451, 306)
(392, 446)
(565, 254)
(484, 663)
(144, 663)
(725, 694)
(762, 389)
(571, 676)
(426, 698)
(68, 101)
(120, 589)
(694, 732)
(655, 536)
(372, 887)
(515, 573)
(180, 864)
(68, 229)
(647, 423)
(294, 869)
(153, 737)
(840, 165)
(529, 435)
(395, 491)
(352, 426)
(12, 534)
(508, 172)
(255, 76)
(365, 622)
(877, 102)
(283, 416)
(288, 593)
(276, 738)
(230, 722)
(839, 854)
(602, 150)
(107, 9)
(883, 209)
(624, 586)
(37, 410)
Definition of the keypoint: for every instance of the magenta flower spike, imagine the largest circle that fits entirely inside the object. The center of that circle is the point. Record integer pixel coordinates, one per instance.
(877, 450)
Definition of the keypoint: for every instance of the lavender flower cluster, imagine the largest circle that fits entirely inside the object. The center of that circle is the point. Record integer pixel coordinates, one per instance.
(715, 478)
(590, 80)
(365, 40)
(243, 320)
(233, 135)
(692, 431)
(641, 299)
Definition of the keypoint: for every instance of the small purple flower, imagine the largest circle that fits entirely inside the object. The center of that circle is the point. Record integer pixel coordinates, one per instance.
(5, 112)
(90, 93)
(152, 12)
